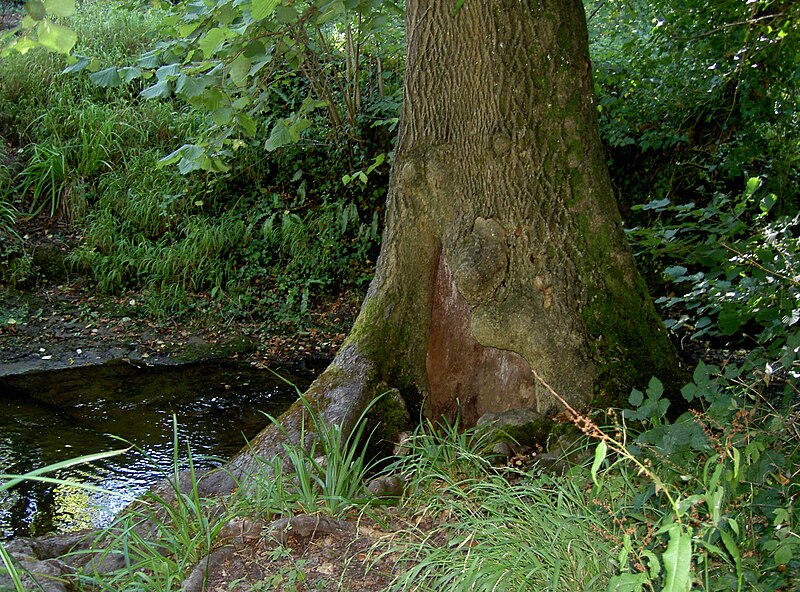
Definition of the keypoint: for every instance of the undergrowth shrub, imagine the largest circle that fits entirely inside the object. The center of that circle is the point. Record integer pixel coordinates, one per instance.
(707, 501)
(694, 97)
(272, 237)
(732, 272)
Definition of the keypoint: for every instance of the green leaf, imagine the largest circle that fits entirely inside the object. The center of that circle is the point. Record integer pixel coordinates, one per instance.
(261, 9)
(76, 64)
(159, 90)
(636, 397)
(59, 7)
(239, 69)
(785, 553)
(168, 72)
(330, 11)
(108, 78)
(212, 41)
(188, 86)
(56, 38)
(298, 127)
(247, 123)
(129, 73)
(599, 456)
(222, 116)
(729, 319)
(36, 9)
(678, 560)
(655, 388)
(627, 582)
(280, 136)
(753, 183)
(286, 15)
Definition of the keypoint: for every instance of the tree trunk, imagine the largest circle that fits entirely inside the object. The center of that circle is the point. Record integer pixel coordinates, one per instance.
(503, 248)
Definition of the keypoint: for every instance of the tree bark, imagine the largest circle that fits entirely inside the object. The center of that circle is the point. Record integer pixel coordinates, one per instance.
(503, 249)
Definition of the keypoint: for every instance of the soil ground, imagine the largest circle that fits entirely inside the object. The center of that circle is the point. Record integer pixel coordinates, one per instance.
(61, 320)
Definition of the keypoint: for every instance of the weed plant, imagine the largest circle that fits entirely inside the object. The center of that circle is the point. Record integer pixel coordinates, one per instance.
(707, 501)
(324, 471)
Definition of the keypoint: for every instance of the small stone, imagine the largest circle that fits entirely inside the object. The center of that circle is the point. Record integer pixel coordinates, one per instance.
(386, 486)
(503, 449)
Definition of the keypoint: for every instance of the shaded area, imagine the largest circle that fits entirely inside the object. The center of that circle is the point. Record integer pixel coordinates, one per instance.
(47, 417)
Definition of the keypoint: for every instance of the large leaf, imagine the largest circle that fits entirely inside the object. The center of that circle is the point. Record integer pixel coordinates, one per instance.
(678, 560)
(189, 86)
(627, 582)
(107, 78)
(129, 73)
(261, 9)
(56, 38)
(36, 9)
(159, 90)
(212, 41)
(280, 136)
(59, 7)
(238, 70)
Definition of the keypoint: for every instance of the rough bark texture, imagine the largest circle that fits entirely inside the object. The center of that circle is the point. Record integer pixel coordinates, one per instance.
(503, 249)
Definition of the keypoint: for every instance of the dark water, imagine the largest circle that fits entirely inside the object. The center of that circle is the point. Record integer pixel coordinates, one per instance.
(49, 417)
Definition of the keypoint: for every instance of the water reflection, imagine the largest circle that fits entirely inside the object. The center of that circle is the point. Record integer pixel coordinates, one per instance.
(49, 417)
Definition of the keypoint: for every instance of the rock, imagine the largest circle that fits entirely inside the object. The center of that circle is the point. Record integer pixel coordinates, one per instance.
(387, 486)
(240, 531)
(57, 545)
(503, 450)
(196, 581)
(304, 528)
(50, 575)
(524, 426)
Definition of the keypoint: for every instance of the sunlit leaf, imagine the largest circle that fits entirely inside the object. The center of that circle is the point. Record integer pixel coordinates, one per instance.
(239, 69)
(599, 456)
(56, 37)
(261, 9)
(212, 41)
(678, 559)
(59, 7)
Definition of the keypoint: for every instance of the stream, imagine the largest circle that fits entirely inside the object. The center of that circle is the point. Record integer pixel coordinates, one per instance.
(48, 417)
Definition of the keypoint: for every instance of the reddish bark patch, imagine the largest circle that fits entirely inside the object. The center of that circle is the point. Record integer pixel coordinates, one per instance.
(464, 376)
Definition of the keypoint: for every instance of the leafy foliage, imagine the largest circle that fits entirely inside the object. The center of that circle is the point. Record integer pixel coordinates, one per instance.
(696, 97)
(40, 28)
(269, 236)
(733, 268)
(268, 67)
(711, 505)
